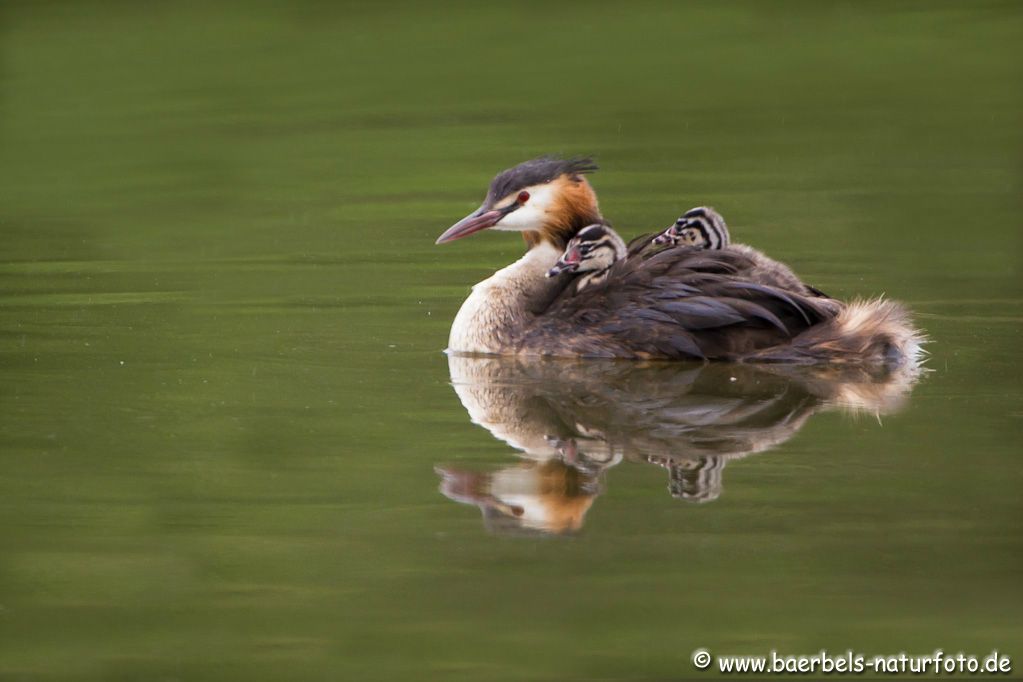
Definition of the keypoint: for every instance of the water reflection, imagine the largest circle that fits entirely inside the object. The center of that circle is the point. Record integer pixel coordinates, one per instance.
(571, 421)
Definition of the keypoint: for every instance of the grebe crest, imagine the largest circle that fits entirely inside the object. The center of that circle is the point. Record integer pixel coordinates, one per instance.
(591, 253)
(701, 227)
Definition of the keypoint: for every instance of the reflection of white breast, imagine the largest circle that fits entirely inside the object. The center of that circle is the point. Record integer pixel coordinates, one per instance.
(496, 406)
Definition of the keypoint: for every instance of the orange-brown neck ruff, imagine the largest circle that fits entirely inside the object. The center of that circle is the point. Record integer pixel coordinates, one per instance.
(576, 207)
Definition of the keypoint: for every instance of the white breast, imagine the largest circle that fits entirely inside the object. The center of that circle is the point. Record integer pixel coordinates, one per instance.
(495, 311)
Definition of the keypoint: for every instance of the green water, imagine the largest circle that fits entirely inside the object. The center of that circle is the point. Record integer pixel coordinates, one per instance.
(222, 315)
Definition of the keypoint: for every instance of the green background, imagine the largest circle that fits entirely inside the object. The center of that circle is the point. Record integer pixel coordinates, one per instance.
(222, 393)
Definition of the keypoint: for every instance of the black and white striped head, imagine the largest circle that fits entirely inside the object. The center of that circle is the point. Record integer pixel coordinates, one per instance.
(593, 251)
(701, 228)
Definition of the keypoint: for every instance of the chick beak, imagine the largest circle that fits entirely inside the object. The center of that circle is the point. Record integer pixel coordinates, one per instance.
(563, 266)
(569, 262)
(559, 268)
(470, 224)
(671, 234)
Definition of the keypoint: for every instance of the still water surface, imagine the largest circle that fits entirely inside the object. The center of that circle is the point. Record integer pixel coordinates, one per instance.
(230, 444)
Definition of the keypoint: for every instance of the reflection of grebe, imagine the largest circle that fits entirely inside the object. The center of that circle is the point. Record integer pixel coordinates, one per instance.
(678, 303)
(573, 421)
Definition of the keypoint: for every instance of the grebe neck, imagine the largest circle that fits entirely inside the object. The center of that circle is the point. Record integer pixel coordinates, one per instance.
(494, 315)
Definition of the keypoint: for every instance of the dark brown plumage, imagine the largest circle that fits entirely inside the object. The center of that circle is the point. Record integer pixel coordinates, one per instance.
(678, 303)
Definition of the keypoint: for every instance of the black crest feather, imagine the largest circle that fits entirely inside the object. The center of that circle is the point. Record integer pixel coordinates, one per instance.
(535, 172)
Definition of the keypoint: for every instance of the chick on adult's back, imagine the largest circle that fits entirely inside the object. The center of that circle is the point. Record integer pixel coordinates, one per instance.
(590, 255)
(703, 227)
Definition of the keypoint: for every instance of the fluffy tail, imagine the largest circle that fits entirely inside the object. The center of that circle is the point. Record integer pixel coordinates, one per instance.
(874, 331)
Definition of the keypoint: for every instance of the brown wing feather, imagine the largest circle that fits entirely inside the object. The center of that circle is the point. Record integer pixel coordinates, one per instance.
(676, 303)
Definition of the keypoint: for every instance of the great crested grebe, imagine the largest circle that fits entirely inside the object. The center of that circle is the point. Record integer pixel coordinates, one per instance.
(673, 304)
(590, 254)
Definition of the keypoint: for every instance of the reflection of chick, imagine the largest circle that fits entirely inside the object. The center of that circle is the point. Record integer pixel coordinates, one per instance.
(693, 480)
(543, 496)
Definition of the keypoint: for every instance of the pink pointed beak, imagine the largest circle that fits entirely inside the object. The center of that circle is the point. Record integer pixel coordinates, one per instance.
(470, 224)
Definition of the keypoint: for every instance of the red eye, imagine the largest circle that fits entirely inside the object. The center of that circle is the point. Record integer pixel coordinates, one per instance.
(523, 197)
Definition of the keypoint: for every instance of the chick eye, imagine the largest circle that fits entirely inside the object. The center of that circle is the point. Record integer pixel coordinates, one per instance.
(523, 197)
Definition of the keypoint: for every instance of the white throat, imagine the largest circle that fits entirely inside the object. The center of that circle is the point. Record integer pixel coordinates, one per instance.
(495, 313)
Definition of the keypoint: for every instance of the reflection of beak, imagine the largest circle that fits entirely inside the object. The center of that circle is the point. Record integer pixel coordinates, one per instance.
(470, 224)
(461, 485)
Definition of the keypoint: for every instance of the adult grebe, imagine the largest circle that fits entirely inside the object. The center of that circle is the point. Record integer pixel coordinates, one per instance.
(674, 304)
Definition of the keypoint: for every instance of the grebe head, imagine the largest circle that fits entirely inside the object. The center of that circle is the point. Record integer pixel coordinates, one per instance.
(547, 199)
(594, 250)
(700, 227)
